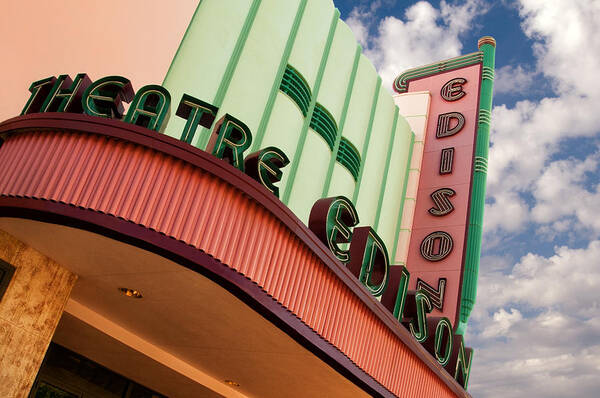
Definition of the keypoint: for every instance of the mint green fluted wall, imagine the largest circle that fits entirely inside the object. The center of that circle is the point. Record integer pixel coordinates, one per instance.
(239, 69)
(374, 160)
(356, 125)
(201, 60)
(316, 154)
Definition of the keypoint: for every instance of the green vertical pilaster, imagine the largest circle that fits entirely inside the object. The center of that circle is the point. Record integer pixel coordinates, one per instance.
(185, 35)
(264, 120)
(342, 123)
(365, 149)
(230, 69)
(387, 168)
(302, 139)
(487, 45)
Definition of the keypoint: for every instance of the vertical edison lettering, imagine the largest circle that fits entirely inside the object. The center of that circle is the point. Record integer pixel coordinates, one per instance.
(446, 161)
(436, 295)
(442, 202)
(445, 120)
(436, 246)
(452, 90)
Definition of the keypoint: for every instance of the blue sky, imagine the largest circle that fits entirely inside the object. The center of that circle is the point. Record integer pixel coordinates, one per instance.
(536, 324)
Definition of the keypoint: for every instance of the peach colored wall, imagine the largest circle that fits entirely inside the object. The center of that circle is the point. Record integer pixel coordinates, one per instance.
(456, 222)
(135, 38)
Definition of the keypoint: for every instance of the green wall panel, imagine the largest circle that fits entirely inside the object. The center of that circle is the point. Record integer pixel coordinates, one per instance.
(310, 177)
(356, 124)
(338, 70)
(311, 38)
(251, 83)
(375, 160)
(284, 126)
(239, 68)
(316, 155)
(393, 193)
(342, 182)
(359, 109)
(203, 55)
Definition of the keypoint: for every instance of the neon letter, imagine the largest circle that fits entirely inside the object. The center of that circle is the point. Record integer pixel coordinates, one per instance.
(104, 97)
(150, 108)
(66, 94)
(196, 112)
(369, 260)
(331, 219)
(39, 91)
(265, 167)
(229, 140)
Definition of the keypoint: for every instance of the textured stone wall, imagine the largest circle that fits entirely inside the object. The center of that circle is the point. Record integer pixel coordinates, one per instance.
(29, 313)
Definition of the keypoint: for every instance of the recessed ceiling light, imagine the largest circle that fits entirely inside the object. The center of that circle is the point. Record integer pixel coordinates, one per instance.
(232, 383)
(131, 292)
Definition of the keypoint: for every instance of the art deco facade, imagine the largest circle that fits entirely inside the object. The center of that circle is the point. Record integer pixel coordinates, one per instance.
(292, 229)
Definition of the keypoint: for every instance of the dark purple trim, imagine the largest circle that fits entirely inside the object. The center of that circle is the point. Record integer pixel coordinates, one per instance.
(170, 146)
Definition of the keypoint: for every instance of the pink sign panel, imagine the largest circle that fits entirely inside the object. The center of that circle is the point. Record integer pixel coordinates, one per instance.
(437, 245)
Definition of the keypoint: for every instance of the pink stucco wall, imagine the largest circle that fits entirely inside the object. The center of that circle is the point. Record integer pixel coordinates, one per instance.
(456, 222)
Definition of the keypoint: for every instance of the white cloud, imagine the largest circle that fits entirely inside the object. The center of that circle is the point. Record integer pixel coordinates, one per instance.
(560, 192)
(525, 136)
(566, 280)
(514, 80)
(426, 34)
(508, 211)
(548, 348)
(502, 322)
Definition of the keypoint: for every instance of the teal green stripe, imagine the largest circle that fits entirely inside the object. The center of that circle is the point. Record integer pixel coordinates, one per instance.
(164, 83)
(363, 157)
(266, 116)
(295, 87)
(477, 205)
(336, 146)
(406, 175)
(387, 168)
(302, 139)
(349, 157)
(322, 122)
(231, 65)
